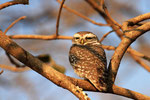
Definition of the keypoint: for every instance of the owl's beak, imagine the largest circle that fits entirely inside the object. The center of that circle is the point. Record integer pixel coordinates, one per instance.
(82, 41)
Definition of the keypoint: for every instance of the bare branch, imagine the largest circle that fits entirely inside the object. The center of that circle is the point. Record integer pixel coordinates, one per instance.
(114, 90)
(129, 38)
(105, 35)
(58, 17)
(130, 51)
(13, 23)
(14, 69)
(109, 16)
(41, 37)
(134, 21)
(10, 3)
(139, 54)
(139, 61)
(128, 93)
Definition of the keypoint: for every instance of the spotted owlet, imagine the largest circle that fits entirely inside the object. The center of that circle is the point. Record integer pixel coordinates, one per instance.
(88, 59)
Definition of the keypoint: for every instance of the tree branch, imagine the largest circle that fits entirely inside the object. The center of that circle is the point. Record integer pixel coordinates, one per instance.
(129, 38)
(45, 70)
(128, 93)
(58, 17)
(105, 35)
(13, 23)
(114, 90)
(14, 69)
(10, 3)
(43, 37)
(139, 61)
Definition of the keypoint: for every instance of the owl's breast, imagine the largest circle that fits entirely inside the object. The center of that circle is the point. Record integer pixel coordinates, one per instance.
(82, 56)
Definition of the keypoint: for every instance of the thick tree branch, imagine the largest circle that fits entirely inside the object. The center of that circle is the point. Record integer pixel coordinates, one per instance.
(129, 38)
(114, 90)
(23, 56)
(128, 93)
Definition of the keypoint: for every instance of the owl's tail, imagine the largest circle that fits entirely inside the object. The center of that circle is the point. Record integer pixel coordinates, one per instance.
(100, 82)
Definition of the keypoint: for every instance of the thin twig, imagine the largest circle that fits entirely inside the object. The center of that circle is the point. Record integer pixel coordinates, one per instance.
(14, 69)
(41, 37)
(130, 51)
(139, 61)
(58, 17)
(139, 54)
(134, 54)
(109, 16)
(105, 35)
(13, 23)
(108, 47)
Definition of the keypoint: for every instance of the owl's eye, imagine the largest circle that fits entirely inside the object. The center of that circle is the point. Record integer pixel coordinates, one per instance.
(76, 38)
(89, 38)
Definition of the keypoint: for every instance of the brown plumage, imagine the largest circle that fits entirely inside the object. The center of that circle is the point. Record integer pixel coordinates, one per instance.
(88, 59)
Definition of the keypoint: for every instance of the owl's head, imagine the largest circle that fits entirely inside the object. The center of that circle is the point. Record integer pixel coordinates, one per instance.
(85, 38)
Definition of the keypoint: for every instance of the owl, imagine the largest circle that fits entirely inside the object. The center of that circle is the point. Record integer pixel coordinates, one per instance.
(88, 59)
